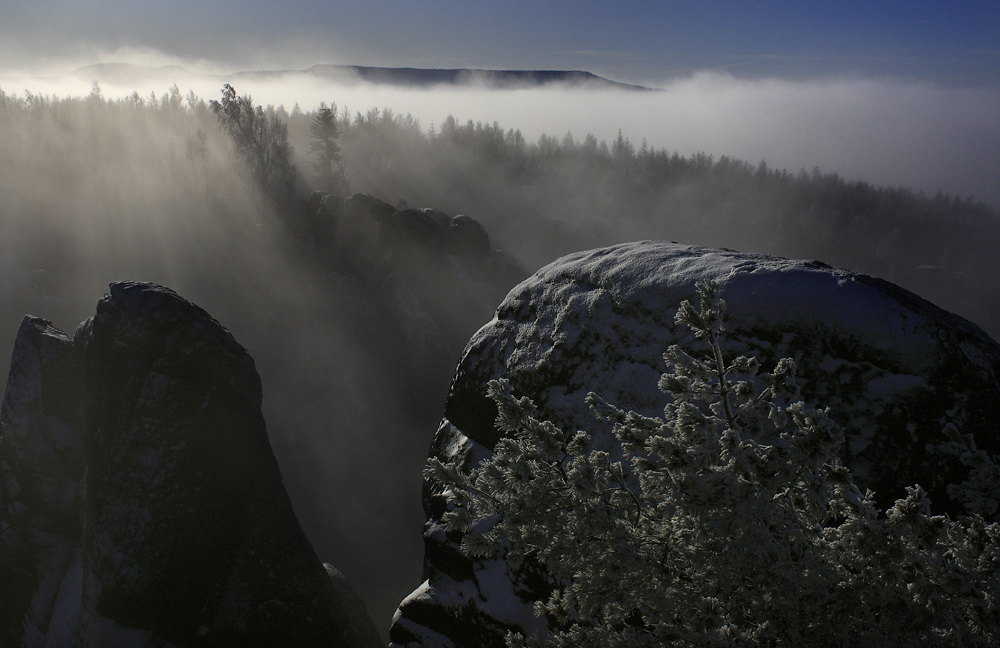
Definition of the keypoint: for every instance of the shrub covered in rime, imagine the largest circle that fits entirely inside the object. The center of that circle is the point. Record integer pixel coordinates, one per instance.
(731, 521)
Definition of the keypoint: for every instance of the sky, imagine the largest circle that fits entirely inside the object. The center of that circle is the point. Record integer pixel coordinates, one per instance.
(948, 42)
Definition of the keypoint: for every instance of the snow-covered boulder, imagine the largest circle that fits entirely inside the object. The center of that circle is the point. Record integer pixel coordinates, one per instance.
(182, 531)
(893, 368)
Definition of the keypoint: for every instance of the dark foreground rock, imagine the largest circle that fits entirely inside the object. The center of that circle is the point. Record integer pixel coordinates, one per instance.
(141, 502)
(41, 464)
(893, 368)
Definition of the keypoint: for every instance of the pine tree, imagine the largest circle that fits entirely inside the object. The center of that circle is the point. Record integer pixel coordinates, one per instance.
(329, 164)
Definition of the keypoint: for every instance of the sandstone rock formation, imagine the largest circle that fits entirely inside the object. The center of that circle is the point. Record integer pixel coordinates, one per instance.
(893, 368)
(141, 504)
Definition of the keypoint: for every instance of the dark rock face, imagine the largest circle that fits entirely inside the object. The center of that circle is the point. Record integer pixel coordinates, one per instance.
(362, 207)
(188, 537)
(319, 220)
(363, 220)
(41, 463)
(411, 227)
(893, 368)
(466, 236)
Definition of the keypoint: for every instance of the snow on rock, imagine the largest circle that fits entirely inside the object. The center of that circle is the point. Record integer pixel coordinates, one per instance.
(182, 533)
(893, 368)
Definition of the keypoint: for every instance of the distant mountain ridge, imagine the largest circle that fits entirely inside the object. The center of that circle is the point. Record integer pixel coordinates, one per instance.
(392, 76)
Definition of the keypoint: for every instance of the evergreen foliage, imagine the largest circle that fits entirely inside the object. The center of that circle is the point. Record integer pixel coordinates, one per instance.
(260, 138)
(730, 521)
(329, 164)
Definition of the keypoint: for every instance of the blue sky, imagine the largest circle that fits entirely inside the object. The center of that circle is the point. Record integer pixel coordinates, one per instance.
(954, 43)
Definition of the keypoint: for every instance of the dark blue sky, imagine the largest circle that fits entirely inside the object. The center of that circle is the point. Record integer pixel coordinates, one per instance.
(956, 42)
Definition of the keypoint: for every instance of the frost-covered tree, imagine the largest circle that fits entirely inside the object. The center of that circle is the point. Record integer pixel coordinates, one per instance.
(730, 521)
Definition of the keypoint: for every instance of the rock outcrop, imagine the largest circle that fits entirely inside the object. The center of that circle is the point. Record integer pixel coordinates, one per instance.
(893, 368)
(141, 502)
(436, 278)
(41, 465)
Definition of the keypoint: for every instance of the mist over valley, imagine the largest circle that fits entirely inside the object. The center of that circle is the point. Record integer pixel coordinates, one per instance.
(888, 132)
